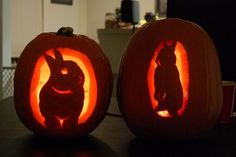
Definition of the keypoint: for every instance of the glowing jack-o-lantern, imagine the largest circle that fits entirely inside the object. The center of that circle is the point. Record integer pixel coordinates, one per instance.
(169, 83)
(62, 84)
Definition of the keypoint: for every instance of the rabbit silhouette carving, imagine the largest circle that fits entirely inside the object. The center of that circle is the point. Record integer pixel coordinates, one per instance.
(62, 96)
(168, 88)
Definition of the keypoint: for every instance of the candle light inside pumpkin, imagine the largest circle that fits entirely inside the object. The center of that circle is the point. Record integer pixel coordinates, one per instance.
(182, 66)
(41, 75)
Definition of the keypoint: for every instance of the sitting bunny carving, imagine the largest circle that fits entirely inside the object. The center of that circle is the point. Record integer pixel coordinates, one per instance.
(168, 88)
(62, 97)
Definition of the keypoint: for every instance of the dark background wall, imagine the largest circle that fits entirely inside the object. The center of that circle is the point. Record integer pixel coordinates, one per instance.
(218, 18)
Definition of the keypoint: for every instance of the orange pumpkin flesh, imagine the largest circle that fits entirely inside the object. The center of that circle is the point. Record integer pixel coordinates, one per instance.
(34, 84)
(198, 71)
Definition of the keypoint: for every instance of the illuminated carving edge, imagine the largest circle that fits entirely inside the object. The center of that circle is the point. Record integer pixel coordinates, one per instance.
(41, 75)
(182, 66)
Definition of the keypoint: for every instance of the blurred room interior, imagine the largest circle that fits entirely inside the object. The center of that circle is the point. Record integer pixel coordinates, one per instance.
(101, 20)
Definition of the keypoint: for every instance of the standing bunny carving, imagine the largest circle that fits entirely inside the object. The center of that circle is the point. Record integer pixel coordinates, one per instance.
(168, 88)
(62, 97)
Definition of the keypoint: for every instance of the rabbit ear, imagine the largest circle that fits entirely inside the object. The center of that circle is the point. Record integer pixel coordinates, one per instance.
(50, 61)
(58, 57)
(173, 46)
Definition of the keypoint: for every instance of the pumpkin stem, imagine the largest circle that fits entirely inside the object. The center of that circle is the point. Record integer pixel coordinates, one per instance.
(65, 31)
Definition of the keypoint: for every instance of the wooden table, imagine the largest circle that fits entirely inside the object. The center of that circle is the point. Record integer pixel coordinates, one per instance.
(111, 139)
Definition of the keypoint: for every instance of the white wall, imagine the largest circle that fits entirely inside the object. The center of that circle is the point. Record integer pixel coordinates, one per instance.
(6, 33)
(31, 17)
(1, 23)
(98, 8)
(26, 23)
(83, 17)
(96, 14)
(58, 15)
(146, 6)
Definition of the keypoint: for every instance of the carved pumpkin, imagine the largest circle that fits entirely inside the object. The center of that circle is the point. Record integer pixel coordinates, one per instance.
(169, 83)
(62, 84)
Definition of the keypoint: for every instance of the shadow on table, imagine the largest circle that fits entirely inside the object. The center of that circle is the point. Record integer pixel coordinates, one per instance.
(220, 142)
(33, 146)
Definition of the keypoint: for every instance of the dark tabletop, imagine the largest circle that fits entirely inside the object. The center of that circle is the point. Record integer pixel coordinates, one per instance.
(112, 138)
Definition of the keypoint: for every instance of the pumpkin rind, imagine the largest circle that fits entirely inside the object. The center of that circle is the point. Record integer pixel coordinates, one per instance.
(204, 88)
(25, 71)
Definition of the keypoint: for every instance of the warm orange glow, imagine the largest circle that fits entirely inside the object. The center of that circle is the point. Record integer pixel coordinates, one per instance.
(61, 92)
(41, 75)
(164, 113)
(61, 120)
(64, 71)
(182, 66)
